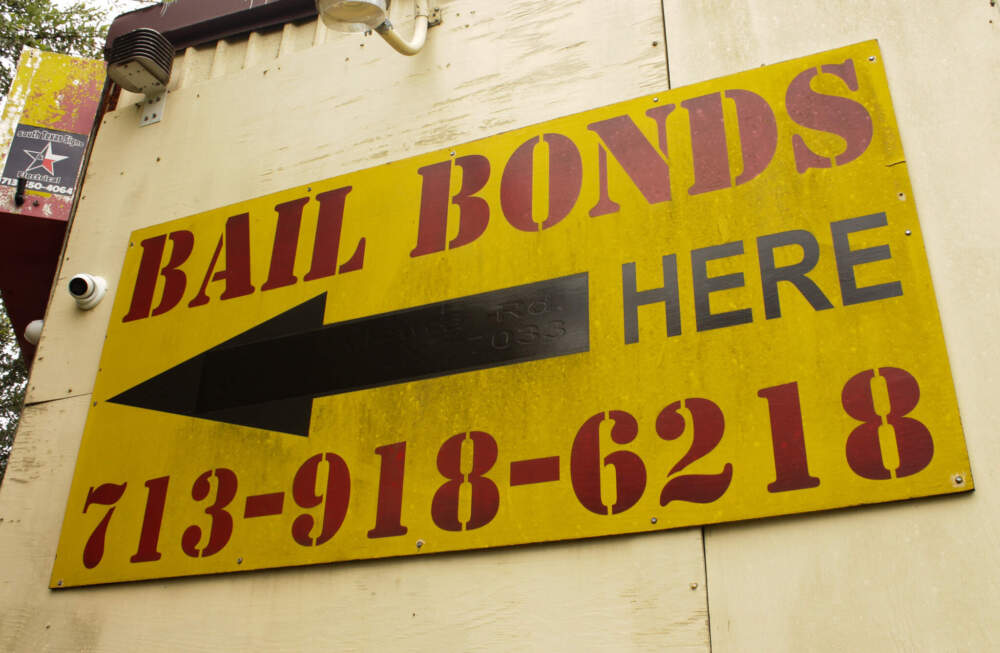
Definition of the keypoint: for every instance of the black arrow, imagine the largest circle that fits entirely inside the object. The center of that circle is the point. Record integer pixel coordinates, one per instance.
(268, 376)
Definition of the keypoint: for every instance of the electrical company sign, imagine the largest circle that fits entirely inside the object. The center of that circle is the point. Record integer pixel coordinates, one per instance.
(708, 305)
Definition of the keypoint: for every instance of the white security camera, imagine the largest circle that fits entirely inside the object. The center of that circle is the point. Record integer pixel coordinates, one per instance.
(87, 290)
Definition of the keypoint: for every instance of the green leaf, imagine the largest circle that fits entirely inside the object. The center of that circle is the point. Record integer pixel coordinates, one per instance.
(13, 379)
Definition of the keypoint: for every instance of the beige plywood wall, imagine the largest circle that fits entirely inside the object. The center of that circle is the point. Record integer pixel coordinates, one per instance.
(920, 576)
(258, 114)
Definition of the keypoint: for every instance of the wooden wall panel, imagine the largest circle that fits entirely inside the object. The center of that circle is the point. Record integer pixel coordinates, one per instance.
(260, 114)
(918, 576)
(623, 593)
(347, 103)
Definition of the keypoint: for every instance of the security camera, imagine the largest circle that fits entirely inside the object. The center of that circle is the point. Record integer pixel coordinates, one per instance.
(87, 290)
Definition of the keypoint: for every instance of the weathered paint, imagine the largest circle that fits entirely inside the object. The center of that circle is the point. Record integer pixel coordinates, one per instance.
(515, 64)
(911, 577)
(779, 240)
(44, 132)
(65, 93)
(919, 577)
(52, 91)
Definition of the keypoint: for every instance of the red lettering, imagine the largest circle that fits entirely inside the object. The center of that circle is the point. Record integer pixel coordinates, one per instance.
(149, 536)
(473, 212)
(708, 144)
(389, 509)
(326, 247)
(913, 440)
(174, 280)
(432, 227)
(485, 496)
(758, 139)
(829, 113)
(585, 466)
(286, 242)
(336, 499)
(565, 181)
(791, 467)
(758, 132)
(708, 426)
(605, 204)
(107, 494)
(640, 161)
(236, 274)
(221, 528)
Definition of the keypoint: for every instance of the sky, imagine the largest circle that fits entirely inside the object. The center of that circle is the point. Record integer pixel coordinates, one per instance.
(114, 4)
(8, 353)
(117, 6)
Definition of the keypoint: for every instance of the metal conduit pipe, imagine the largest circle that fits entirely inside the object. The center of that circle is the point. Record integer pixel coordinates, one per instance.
(416, 42)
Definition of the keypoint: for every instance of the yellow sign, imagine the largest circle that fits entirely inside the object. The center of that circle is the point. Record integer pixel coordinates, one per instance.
(708, 305)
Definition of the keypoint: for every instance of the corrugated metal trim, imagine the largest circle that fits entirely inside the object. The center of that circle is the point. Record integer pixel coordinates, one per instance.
(227, 56)
(194, 22)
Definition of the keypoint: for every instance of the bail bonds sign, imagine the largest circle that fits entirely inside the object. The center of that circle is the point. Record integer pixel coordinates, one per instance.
(707, 305)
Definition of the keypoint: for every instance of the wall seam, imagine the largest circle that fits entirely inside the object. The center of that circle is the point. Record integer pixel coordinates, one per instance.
(708, 605)
(666, 52)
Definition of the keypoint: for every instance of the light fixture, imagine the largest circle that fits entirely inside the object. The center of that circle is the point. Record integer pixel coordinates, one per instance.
(353, 15)
(364, 15)
(140, 61)
(33, 332)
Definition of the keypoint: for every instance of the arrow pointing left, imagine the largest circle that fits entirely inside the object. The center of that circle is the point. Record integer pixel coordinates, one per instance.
(268, 376)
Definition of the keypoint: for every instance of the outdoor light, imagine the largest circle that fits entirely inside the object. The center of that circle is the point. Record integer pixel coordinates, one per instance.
(33, 332)
(364, 15)
(353, 15)
(140, 61)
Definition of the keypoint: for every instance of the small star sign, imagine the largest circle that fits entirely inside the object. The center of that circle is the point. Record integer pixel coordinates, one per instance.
(44, 159)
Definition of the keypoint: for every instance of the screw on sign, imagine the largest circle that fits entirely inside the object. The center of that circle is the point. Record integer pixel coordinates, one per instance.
(880, 400)
(619, 136)
(745, 328)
